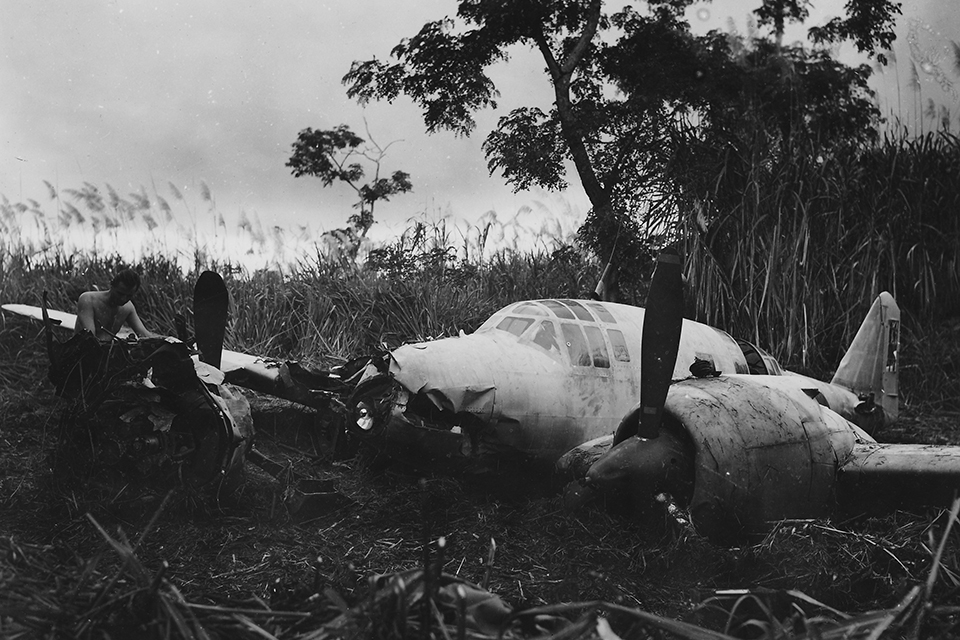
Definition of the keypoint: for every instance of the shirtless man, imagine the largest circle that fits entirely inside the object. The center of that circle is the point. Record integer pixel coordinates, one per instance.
(103, 313)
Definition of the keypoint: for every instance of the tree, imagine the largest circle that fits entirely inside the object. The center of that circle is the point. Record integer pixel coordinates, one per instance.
(627, 88)
(331, 156)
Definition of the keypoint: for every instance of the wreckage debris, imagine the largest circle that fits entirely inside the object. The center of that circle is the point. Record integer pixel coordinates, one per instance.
(143, 408)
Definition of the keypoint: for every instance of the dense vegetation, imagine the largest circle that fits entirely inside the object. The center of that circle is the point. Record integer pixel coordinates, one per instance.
(642, 107)
(790, 251)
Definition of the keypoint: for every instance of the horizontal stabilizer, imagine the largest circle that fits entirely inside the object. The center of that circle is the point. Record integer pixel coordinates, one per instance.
(899, 475)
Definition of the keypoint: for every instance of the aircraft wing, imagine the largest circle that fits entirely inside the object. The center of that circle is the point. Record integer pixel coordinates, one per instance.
(283, 379)
(287, 380)
(61, 319)
(901, 474)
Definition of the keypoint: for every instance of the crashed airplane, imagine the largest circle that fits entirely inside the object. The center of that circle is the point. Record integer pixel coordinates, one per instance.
(720, 431)
(542, 377)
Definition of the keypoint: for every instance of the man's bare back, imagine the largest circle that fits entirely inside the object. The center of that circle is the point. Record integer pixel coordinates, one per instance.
(103, 313)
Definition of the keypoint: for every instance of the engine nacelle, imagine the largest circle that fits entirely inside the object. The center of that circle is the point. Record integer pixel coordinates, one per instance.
(761, 454)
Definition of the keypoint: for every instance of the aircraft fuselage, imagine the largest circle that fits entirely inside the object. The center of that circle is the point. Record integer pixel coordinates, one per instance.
(535, 380)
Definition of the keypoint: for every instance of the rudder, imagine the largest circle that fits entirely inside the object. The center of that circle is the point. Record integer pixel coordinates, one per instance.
(870, 367)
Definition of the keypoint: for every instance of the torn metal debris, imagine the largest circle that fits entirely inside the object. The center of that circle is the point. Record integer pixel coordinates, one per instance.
(149, 410)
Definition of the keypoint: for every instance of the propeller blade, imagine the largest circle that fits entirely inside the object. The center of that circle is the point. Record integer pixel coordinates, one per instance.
(210, 305)
(660, 340)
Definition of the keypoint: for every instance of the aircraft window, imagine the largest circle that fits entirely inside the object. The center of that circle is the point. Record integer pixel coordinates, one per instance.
(754, 356)
(620, 351)
(559, 309)
(579, 310)
(529, 309)
(601, 311)
(576, 345)
(598, 347)
(514, 325)
(546, 336)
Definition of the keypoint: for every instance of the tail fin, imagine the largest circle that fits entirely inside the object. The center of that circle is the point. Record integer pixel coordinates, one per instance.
(870, 367)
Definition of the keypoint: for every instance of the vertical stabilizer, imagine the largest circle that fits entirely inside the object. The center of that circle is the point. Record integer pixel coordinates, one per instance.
(870, 368)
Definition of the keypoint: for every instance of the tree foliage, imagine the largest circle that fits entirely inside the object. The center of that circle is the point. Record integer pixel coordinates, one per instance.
(334, 155)
(637, 97)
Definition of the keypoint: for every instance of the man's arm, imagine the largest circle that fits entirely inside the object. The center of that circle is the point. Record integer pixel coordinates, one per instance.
(136, 324)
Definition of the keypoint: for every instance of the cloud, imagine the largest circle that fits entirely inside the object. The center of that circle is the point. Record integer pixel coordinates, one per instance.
(129, 92)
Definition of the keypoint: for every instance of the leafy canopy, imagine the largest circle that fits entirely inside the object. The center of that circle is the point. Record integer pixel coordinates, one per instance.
(333, 156)
(637, 97)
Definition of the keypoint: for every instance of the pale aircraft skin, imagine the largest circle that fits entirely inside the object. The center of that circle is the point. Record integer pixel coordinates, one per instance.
(537, 379)
(740, 453)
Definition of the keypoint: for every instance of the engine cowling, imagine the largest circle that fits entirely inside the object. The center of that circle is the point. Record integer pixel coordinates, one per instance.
(760, 455)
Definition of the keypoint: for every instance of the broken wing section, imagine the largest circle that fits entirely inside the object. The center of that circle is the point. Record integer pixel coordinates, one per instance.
(884, 476)
(149, 411)
(290, 380)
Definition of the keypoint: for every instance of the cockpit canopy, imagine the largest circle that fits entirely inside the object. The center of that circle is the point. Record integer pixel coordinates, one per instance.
(586, 332)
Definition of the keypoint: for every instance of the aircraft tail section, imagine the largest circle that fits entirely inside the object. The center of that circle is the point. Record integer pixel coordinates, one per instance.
(870, 367)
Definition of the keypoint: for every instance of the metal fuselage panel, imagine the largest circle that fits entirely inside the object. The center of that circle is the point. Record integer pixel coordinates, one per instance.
(839, 400)
(537, 397)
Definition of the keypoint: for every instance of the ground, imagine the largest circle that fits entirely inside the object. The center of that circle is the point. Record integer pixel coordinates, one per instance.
(234, 546)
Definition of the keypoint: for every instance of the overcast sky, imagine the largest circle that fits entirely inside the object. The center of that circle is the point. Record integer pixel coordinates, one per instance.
(133, 93)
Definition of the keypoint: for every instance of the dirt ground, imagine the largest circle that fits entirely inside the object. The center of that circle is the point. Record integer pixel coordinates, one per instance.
(235, 544)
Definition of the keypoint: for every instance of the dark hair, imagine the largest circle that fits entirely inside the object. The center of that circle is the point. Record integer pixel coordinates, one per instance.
(127, 277)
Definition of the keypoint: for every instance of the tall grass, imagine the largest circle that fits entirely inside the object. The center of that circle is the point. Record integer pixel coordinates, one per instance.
(791, 252)
(417, 292)
(418, 287)
(290, 298)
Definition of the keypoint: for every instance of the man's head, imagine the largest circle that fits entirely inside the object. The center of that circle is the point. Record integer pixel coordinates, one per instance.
(123, 286)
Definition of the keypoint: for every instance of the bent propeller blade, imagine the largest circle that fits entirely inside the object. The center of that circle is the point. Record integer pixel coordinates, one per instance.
(660, 340)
